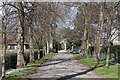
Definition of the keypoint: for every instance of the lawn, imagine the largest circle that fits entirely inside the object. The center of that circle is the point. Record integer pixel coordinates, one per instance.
(19, 73)
(111, 72)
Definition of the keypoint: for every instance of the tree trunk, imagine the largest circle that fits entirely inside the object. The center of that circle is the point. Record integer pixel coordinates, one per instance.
(38, 54)
(31, 43)
(4, 42)
(109, 44)
(99, 31)
(20, 38)
(65, 46)
(108, 53)
(72, 48)
(87, 50)
(45, 50)
(84, 39)
(51, 42)
(31, 51)
(3, 50)
(95, 55)
(48, 47)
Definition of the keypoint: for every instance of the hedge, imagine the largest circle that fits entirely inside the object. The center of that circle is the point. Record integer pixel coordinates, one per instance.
(11, 59)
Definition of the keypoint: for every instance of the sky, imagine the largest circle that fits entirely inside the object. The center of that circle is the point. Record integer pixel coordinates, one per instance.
(69, 22)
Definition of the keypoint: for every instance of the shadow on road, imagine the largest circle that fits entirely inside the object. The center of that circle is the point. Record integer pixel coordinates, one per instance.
(60, 61)
(81, 73)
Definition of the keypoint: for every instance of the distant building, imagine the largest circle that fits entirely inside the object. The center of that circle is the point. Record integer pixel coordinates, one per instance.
(13, 45)
(116, 37)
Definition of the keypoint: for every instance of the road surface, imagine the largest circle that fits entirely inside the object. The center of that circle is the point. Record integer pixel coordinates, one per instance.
(64, 66)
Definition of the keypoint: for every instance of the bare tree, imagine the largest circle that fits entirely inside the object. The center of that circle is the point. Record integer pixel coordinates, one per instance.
(20, 39)
(99, 33)
(4, 25)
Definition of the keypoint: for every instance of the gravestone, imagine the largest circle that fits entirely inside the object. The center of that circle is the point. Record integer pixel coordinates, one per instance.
(0, 64)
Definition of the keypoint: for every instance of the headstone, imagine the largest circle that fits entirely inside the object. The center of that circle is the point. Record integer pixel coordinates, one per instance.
(0, 64)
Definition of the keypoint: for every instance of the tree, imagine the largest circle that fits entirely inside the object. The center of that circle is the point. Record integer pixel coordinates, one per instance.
(84, 20)
(30, 15)
(111, 25)
(20, 39)
(99, 33)
(4, 24)
(31, 42)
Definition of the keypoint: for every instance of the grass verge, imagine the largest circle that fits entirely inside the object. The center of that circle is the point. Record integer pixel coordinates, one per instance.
(111, 72)
(18, 73)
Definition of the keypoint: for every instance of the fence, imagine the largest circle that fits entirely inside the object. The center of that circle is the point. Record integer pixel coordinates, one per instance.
(102, 55)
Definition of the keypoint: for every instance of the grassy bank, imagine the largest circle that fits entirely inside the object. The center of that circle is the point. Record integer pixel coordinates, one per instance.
(111, 72)
(18, 73)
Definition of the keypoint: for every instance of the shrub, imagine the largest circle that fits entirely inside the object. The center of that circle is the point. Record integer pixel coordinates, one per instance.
(10, 60)
(54, 50)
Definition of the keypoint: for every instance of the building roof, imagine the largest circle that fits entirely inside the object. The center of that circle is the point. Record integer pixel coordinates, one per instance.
(116, 43)
(15, 43)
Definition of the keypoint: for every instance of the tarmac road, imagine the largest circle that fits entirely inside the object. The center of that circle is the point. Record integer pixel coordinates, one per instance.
(64, 66)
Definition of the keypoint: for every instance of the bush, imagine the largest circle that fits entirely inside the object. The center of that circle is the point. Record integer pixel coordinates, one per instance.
(54, 50)
(10, 60)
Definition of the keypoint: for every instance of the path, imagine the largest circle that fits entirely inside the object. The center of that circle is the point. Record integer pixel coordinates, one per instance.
(64, 66)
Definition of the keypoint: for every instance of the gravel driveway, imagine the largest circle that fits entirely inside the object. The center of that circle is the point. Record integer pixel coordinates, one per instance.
(64, 66)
